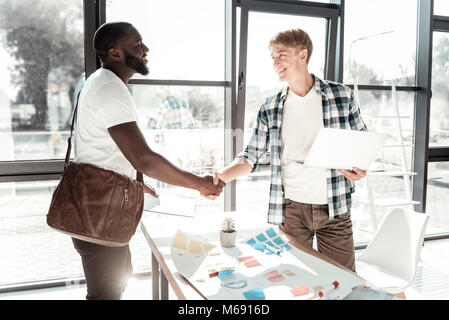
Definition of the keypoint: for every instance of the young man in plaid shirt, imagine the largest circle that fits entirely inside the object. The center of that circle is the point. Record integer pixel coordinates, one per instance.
(304, 202)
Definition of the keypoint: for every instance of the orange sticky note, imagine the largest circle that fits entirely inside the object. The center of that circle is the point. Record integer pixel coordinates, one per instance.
(300, 290)
(252, 263)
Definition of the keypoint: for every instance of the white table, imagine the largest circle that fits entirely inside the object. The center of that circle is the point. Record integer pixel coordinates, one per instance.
(158, 229)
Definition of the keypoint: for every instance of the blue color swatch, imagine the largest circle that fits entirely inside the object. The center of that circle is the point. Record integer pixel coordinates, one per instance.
(271, 233)
(251, 242)
(278, 241)
(268, 243)
(261, 237)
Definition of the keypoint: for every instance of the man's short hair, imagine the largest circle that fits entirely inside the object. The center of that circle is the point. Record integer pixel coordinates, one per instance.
(295, 38)
(107, 36)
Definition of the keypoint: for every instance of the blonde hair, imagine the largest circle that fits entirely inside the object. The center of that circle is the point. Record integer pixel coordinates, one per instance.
(295, 38)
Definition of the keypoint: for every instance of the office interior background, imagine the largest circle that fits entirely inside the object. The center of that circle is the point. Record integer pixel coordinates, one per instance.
(212, 57)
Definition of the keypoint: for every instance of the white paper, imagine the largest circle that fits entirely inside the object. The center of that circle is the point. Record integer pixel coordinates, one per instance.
(188, 252)
(174, 204)
(150, 201)
(344, 149)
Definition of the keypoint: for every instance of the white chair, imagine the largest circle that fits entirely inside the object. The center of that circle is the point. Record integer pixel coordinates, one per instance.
(390, 260)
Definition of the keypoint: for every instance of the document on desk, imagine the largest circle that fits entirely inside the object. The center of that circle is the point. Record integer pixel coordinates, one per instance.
(188, 252)
(344, 149)
(294, 274)
(171, 203)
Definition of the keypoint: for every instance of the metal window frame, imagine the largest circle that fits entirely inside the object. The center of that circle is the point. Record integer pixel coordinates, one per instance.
(432, 154)
(423, 76)
(39, 170)
(95, 15)
(441, 153)
(333, 66)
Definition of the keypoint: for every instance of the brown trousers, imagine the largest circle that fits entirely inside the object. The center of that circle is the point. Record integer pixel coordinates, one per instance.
(334, 237)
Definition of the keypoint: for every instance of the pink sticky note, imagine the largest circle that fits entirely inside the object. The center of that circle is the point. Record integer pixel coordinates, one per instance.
(276, 278)
(252, 263)
(300, 290)
(241, 259)
(271, 274)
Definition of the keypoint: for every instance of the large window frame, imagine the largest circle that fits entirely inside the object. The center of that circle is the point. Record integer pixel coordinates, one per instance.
(95, 15)
(332, 65)
(424, 154)
(31, 170)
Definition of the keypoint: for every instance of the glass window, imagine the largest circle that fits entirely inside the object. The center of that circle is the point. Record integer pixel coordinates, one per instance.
(380, 42)
(262, 82)
(378, 111)
(439, 113)
(30, 250)
(437, 197)
(186, 125)
(181, 47)
(441, 7)
(42, 58)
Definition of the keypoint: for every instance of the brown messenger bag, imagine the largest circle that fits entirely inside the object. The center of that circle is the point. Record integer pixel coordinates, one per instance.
(94, 204)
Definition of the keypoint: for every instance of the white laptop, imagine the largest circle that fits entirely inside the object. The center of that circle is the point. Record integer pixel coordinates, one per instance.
(344, 149)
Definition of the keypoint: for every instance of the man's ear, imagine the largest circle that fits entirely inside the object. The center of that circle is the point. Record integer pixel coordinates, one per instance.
(114, 54)
(303, 54)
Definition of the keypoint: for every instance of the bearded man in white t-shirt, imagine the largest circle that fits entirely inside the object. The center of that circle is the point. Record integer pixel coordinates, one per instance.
(107, 136)
(304, 202)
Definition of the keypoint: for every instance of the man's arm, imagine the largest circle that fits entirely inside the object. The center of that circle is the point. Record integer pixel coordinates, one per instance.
(239, 167)
(248, 160)
(134, 147)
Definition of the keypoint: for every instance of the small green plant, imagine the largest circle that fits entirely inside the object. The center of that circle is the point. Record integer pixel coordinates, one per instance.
(228, 225)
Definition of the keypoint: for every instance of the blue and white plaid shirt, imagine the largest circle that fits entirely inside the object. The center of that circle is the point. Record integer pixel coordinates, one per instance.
(340, 110)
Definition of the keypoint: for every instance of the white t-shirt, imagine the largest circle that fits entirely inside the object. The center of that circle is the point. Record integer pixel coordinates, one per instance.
(105, 101)
(302, 119)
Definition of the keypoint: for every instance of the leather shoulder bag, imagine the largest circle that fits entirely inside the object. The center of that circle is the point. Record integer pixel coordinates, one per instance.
(94, 204)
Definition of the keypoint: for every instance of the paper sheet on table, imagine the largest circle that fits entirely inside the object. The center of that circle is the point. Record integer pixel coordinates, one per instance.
(188, 252)
(174, 204)
(344, 149)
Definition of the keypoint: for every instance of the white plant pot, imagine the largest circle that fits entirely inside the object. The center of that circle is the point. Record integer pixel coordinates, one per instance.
(227, 239)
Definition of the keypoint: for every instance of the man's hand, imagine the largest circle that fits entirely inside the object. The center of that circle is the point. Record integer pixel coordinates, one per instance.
(218, 177)
(209, 189)
(354, 175)
(149, 189)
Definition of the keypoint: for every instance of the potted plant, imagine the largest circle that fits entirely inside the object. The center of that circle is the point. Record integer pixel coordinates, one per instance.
(228, 233)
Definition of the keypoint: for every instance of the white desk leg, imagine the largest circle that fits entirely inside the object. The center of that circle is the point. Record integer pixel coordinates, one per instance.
(155, 276)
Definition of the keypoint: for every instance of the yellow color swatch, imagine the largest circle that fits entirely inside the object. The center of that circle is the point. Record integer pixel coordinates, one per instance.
(180, 242)
(195, 247)
(208, 247)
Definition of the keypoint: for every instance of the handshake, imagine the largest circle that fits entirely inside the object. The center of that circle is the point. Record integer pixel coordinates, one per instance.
(210, 187)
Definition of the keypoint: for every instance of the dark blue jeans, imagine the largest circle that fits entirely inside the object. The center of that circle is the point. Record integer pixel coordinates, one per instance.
(107, 269)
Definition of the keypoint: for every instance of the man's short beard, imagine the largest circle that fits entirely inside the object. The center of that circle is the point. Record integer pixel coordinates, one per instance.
(136, 64)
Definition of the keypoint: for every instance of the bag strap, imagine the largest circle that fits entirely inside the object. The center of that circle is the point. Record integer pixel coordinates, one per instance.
(139, 176)
(69, 140)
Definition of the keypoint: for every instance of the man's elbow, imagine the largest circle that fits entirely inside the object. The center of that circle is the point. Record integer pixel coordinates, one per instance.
(145, 162)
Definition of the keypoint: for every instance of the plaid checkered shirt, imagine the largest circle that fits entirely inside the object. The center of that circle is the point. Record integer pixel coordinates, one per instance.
(340, 110)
